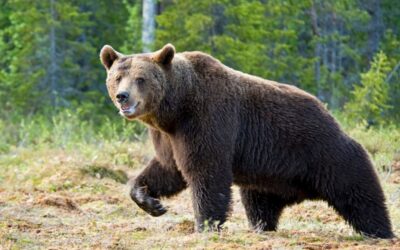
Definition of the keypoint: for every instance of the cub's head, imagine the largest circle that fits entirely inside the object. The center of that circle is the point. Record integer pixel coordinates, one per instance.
(136, 83)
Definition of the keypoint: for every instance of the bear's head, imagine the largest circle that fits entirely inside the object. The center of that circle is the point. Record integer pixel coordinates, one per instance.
(137, 83)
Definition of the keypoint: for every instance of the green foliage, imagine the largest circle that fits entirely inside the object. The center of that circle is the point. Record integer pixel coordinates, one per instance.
(50, 53)
(20, 61)
(312, 44)
(262, 39)
(66, 129)
(133, 43)
(371, 97)
(257, 38)
(189, 24)
(338, 33)
(50, 48)
(391, 46)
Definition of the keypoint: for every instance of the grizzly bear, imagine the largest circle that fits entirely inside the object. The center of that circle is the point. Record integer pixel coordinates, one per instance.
(213, 127)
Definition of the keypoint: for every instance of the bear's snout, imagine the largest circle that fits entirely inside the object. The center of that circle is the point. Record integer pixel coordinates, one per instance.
(122, 97)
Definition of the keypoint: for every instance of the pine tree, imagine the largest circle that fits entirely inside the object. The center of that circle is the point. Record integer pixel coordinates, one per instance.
(190, 24)
(263, 39)
(391, 46)
(50, 58)
(133, 28)
(21, 56)
(370, 98)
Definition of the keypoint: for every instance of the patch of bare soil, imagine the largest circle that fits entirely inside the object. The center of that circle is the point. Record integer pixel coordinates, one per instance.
(106, 198)
(186, 227)
(24, 225)
(364, 245)
(325, 243)
(58, 201)
(395, 175)
(223, 246)
(373, 244)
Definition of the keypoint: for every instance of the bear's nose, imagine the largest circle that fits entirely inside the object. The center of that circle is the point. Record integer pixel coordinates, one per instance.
(122, 97)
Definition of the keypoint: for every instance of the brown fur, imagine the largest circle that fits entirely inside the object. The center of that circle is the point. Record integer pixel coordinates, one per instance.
(213, 127)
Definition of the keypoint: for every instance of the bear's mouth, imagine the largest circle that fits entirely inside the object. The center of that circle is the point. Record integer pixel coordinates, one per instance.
(128, 110)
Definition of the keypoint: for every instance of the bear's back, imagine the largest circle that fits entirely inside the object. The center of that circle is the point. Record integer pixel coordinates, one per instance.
(283, 106)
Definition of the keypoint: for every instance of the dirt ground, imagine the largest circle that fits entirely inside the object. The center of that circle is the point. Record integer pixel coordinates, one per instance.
(66, 199)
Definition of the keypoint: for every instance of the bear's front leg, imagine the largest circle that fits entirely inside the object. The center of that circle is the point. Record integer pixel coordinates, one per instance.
(211, 197)
(204, 151)
(154, 182)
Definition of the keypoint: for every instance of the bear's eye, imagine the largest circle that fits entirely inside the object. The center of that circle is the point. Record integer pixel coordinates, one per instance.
(139, 80)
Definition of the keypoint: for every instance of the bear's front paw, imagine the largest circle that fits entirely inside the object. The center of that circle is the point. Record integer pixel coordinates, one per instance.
(149, 204)
(208, 226)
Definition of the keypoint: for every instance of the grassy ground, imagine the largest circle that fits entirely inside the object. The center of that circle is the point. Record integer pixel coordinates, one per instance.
(74, 197)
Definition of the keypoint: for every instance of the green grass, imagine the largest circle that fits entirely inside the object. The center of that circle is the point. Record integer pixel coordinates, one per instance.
(62, 186)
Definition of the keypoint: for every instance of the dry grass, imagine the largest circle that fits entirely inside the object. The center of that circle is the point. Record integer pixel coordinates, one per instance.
(74, 199)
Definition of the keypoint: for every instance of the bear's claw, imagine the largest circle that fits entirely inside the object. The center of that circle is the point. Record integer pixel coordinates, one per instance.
(149, 204)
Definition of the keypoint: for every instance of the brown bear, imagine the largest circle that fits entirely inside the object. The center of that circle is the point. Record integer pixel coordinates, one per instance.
(213, 127)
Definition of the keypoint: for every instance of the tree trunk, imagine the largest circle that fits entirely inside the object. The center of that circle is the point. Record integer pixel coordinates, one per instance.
(376, 26)
(317, 50)
(149, 24)
(53, 56)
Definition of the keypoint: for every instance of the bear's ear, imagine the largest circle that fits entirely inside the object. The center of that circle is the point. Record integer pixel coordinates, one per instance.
(165, 55)
(108, 55)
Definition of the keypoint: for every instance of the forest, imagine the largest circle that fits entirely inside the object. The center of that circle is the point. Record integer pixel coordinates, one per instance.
(65, 153)
(346, 52)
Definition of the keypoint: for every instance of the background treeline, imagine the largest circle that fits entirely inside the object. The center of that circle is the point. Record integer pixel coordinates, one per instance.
(346, 52)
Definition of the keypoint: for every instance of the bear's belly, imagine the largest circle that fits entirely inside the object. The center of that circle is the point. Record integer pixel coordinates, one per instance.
(274, 185)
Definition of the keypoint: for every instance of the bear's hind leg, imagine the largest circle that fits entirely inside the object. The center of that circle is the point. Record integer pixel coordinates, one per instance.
(359, 199)
(364, 209)
(263, 209)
